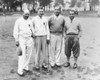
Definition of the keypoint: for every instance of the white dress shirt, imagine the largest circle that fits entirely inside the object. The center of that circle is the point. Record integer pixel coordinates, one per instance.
(23, 28)
(41, 26)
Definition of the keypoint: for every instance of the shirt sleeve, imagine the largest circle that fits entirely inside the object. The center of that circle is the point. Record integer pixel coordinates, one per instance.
(32, 28)
(64, 21)
(16, 31)
(80, 28)
(49, 21)
(48, 30)
(33, 23)
(64, 28)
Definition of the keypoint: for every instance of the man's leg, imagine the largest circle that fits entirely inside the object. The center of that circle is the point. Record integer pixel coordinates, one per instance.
(21, 58)
(52, 50)
(44, 51)
(59, 44)
(68, 50)
(28, 54)
(76, 50)
(38, 51)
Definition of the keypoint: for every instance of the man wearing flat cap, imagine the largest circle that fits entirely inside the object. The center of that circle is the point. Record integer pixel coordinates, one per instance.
(23, 33)
(56, 25)
(73, 33)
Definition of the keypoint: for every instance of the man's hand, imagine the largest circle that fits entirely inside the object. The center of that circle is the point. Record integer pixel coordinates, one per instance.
(33, 36)
(79, 36)
(19, 51)
(17, 43)
(48, 41)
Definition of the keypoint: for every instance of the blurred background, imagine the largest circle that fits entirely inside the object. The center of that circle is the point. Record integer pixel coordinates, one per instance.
(8, 6)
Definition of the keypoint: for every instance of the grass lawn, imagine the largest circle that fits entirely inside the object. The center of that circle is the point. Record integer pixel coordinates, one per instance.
(89, 60)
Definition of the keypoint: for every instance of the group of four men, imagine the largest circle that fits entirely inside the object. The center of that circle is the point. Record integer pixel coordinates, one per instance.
(40, 33)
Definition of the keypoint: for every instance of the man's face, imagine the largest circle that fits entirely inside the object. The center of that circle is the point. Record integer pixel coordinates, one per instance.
(71, 15)
(57, 11)
(26, 15)
(40, 12)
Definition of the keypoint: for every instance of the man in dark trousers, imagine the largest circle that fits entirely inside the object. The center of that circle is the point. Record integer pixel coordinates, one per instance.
(73, 33)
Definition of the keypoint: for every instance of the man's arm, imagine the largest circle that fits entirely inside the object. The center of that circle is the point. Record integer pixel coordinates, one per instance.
(48, 30)
(16, 32)
(64, 28)
(80, 30)
(32, 29)
(49, 21)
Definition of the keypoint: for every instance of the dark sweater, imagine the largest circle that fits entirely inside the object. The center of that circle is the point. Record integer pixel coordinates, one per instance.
(56, 25)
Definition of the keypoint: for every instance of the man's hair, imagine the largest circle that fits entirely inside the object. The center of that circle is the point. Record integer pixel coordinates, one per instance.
(41, 7)
(71, 11)
(57, 7)
(26, 11)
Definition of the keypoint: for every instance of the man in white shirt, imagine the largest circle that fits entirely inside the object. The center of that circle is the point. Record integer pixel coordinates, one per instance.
(73, 33)
(42, 37)
(23, 33)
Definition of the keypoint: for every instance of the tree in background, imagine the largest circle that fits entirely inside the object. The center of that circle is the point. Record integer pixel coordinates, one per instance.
(79, 3)
(73, 3)
(44, 3)
(59, 2)
(93, 3)
(33, 2)
(8, 3)
(29, 1)
(12, 4)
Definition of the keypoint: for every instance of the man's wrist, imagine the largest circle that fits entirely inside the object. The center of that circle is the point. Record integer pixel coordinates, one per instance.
(17, 43)
(79, 36)
(48, 38)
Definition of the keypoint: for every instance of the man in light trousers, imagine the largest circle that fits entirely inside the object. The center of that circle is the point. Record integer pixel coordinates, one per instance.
(56, 25)
(23, 33)
(42, 37)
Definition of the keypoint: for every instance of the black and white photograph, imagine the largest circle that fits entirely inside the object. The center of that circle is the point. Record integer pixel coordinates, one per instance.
(49, 40)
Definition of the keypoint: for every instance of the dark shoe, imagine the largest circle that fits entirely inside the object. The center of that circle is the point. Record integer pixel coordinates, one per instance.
(75, 66)
(44, 68)
(36, 68)
(21, 75)
(54, 67)
(58, 66)
(26, 70)
(67, 64)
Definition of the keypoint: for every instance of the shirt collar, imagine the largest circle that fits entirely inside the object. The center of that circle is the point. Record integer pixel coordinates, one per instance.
(55, 17)
(24, 19)
(73, 20)
(39, 17)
